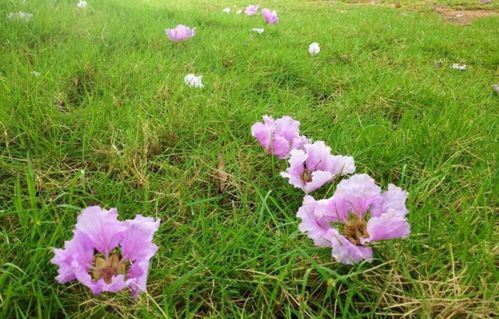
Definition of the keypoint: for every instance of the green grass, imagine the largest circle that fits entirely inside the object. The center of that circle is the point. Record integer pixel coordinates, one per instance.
(131, 135)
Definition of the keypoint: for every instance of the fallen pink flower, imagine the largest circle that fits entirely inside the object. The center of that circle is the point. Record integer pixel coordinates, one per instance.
(313, 166)
(251, 10)
(358, 214)
(108, 255)
(180, 33)
(270, 16)
(280, 136)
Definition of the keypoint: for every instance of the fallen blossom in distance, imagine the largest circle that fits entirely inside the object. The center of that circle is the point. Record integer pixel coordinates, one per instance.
(313, 166)
(82, 4)
(251, 10)
(278, 137)
(314, 48)
(457, 66)
(180, 33)
(226, 10)
(270, 16)
(258, 30)
(193, 81)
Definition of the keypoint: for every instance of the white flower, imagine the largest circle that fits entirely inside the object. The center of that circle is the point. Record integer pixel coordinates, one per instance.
(239, 11)
(258, 30)
(457, 66)
(193, 81)
(226, 10)
(36, 74)
(82, 4)
(314, 48)
(23, 16)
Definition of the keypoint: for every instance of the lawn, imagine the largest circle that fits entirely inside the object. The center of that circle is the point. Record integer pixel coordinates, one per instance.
(109, 121)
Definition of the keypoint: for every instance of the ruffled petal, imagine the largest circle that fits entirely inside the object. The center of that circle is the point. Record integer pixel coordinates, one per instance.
(387, 226)
(137, 242)
(315, 220)
(345, 251)
(318, 179)
(101, 227)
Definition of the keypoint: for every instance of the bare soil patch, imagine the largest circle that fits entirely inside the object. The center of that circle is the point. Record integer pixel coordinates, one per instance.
(464, 16)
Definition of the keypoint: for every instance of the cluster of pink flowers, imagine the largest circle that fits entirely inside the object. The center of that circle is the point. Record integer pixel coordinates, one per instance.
(108, 255)
(357, 215)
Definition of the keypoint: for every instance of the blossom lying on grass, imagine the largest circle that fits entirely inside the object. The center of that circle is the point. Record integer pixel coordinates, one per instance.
(108, 255)
(258, 30)
(226, 10)
(280, 136)
(314, 166)
(81, 4)
(314, 48)
(359, 213)
(180, 33)
(270, 16)
(36, 74)
(459, 67)
(251, 10)
(21, 16)
(193, 81)
(239, 11)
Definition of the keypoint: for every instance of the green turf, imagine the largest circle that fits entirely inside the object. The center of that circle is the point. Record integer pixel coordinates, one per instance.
(131, 135)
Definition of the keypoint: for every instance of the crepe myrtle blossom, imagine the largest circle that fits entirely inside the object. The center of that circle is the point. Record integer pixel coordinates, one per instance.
(239, 11)
(193, 81)
(313, 166)
(36, 74)
(81, 4)
(258, 30)
(358, 214)
(180, 33)
(21, 16)
(270, 16)
(280, 136)
(226, 10)
(108, 255)
(314, 48)
(251, 10)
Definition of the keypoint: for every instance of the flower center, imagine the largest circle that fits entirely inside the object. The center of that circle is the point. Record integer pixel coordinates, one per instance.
(106, 268)
(355, 229)
(307, 177)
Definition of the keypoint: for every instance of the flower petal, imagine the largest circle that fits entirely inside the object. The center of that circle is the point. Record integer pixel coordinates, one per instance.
(345, 251)
(101, 227)
(388, 226)
(137, 241)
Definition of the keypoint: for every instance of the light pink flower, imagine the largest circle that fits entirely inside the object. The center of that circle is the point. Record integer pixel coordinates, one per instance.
(108, 255)
(270, 16)
(314, 166)
(251, 10)
(180, 33)
(359, 213)
(280, 136)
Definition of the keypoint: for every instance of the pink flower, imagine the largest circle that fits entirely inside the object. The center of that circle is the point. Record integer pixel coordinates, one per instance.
(251, 10)
(180, 33)
(278, 137)
(359, 213)
(270, 16)
(108, 255)
(314, 166)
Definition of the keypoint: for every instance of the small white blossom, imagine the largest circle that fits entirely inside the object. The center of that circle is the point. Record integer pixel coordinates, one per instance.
(226, 10)
(314, 48)
(457, 66)
(258, 30)
(239, 11)
(36, 74)
(193, 81)
(82, 4)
